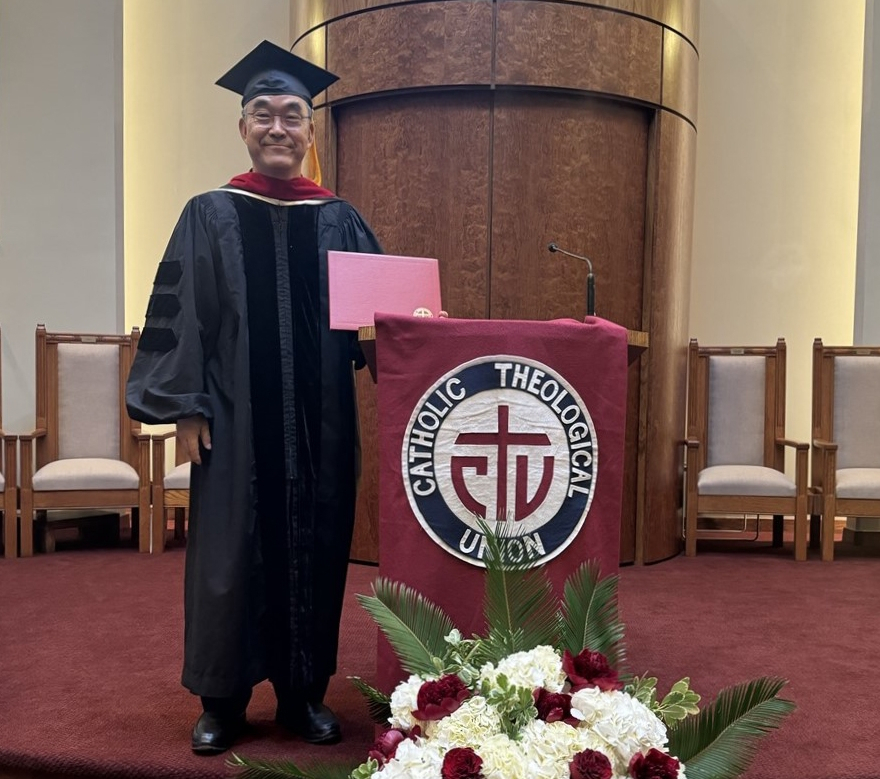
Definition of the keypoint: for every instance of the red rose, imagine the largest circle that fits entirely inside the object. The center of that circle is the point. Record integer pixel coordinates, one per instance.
(462, 763)
(590, 669)
(654, 765)
(590, 764)
(437, 699)
(386, 745)
(553, 706)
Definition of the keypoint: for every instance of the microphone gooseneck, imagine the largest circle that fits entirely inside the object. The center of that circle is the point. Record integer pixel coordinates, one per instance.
(591, 280)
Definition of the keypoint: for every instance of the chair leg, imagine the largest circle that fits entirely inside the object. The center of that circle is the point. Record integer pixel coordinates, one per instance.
(778, 526)
(690, 530)
(26, 529)
(815, 524)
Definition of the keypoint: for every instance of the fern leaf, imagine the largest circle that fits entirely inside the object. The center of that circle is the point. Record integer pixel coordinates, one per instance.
(378, 703)
(247, 768)
(519, 604)
(414, 626)
(590, 618)
(721, 741)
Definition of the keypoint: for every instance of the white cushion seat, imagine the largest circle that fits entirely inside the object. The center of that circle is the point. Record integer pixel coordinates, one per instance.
(178, 479)
(858, 483)
(757, 480)
(85, 473)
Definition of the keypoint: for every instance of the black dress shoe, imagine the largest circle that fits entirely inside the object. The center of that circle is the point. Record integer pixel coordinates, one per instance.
(314, 722)
(214, 733)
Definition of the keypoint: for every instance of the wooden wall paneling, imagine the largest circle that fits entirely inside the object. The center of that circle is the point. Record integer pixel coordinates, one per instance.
(410, 46)
(588, 196)
(679, 15)
(578, 47)
(572, 170)
(417, 168)
(680, 69)
(666, 313)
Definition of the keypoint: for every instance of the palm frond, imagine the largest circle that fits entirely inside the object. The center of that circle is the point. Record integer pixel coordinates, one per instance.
(414, 626)
(519, 604)
(247, 768)
(378, 703)
(721, 741)
(590, 618)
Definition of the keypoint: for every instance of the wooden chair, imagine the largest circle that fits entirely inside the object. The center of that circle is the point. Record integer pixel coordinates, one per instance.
(170, 492)
(8, 477)
(89, 452)
(736, 441)
(846, 437)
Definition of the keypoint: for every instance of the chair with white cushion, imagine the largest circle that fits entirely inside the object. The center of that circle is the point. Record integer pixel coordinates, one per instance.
(8, 490)
(170, 491)
(846, 441)
(89, 453)
(736, 441)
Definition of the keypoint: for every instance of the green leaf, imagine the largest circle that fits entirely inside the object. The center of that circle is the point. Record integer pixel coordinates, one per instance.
(378, 703)
(247, 768)
(590, 619)
(722, 739)
(414, 626)
(680, 702)
(519, 604)
(643, 689)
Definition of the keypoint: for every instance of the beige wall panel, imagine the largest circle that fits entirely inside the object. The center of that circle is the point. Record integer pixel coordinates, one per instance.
(555, 45)
(312, 46)
(680, 71)
(409, 46)
(666, 318)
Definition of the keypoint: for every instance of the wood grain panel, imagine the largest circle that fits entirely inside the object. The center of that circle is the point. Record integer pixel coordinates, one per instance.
(572, 170)
(417, 167)
(680, 68)
(408, 46)
(666, 319)
(578, 47)
(680, 15)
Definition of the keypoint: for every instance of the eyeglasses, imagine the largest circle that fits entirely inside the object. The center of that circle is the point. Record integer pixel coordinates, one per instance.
(267, 119)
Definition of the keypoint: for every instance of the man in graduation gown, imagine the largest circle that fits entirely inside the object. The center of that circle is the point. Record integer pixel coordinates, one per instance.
(237, 351)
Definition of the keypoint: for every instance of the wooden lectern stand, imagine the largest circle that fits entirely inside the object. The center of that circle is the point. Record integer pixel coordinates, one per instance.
(516, 421)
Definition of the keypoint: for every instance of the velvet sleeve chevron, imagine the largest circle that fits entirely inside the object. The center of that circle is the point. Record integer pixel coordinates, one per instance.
(166, 382)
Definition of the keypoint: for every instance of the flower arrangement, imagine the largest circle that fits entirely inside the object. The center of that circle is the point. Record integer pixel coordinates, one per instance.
(543, 695)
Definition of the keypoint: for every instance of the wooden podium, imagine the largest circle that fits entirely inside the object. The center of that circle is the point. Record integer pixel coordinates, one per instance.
(521, 422)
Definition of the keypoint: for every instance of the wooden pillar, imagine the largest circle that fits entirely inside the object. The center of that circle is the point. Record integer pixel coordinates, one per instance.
(478, 131)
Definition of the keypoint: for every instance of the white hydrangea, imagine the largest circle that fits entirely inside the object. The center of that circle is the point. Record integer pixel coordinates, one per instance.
(404, 701)
(503, 759)
(539, 667)
(470, 725)
(624, 724)
(413, 760)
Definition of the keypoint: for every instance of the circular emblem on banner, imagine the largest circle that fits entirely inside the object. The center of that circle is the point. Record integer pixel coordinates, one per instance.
(503, 439)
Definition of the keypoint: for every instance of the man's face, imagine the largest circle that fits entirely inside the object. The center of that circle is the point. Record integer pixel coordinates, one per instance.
(275, 139)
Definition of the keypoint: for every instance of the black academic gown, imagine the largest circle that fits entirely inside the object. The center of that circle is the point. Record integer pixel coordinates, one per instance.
(238, 330)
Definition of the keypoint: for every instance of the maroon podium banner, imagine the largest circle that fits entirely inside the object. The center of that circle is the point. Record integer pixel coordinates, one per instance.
(516, 422)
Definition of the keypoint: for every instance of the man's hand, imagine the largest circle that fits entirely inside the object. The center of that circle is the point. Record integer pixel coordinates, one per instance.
(189, 431)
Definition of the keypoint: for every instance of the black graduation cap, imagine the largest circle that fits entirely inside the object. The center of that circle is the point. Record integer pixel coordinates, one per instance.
(271, 70)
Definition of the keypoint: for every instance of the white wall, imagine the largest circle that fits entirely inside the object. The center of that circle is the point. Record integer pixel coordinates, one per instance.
(181, 131)
(60, 180)
(777, 179)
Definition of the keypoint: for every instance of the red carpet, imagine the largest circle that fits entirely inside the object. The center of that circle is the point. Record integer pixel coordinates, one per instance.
(90, 646)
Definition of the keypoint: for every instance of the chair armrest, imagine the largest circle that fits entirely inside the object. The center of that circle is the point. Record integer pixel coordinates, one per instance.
(799, 445)
(691, 443)
(38, 433)
(828, 446)
(164, 436)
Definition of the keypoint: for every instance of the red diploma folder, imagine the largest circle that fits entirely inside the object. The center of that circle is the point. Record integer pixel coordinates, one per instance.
(362, 284)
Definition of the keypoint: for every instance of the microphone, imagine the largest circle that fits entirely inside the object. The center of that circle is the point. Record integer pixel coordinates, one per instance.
(591, 280)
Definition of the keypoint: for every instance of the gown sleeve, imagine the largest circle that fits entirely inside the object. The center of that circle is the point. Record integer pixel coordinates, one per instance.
(166, 382)
(357, 236)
